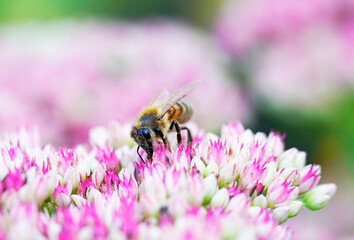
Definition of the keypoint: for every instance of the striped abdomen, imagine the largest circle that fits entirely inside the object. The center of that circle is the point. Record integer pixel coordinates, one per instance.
(181, 112)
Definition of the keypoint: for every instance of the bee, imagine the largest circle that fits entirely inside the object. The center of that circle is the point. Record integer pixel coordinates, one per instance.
(162, 116)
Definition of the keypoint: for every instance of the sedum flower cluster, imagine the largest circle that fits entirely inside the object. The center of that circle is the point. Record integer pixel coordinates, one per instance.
(240, 185)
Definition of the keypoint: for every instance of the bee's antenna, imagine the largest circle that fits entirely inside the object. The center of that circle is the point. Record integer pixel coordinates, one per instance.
(137, 150)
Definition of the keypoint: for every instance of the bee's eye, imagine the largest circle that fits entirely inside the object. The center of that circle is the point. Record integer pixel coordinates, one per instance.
(145, 132)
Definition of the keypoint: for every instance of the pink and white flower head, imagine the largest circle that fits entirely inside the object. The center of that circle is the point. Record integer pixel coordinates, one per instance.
(211, 189)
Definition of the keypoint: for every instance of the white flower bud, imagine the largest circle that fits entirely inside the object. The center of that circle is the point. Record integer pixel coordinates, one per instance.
(54, 229)
(93, 194)
(72, 175)
(220, 199)
(26, 194)
(52, 180)
(210, 187)
(289, 174)
(62, 200)
(238, 203)
(46, 186)
(260, 137)
(316, 201)
(292, 158)
(247, 138)
(269, 174)
(78, 200)
(227, 174)
(328, 189)
(85, 232)
(211, 168)
(177, 205)
(41, 191)
(83, 168)
(295, 207)
(275, 145)
(31, 174)
(254, 211)
(281, 214)
(260, 201)
(155, 188)
(199, 165)
(98, 176)
(318, 197)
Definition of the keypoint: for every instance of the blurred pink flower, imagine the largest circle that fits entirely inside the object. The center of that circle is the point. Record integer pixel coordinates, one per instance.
(67, 77)
(306, 70)
(14, 180)
(244, 24)
(297, 52)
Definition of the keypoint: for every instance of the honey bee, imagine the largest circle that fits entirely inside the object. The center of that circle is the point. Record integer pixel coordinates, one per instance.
(161, 116)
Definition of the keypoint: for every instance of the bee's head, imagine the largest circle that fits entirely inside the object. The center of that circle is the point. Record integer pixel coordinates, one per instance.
(143, 138)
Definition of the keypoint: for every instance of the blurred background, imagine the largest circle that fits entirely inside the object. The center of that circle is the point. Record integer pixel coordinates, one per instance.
(283, 65)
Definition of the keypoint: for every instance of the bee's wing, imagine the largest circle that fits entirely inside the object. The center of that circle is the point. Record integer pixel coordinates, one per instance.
(159, 98)
(177, 96)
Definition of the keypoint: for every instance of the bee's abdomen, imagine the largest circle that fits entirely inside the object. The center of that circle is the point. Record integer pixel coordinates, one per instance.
(181, 112)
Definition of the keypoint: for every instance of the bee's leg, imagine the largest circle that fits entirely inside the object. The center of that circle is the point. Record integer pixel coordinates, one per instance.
(137, 150)
(150, 152)
(189, 139)
(162, 136)
(178, 130)
(189, 134)
(165, 142)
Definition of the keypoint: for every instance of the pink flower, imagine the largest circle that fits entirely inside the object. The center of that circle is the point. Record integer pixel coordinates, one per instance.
(61, 194)
(67, 223)
(89, 217)
(232, 130)
(84, 185)
(182, 156)
(14, 180)
(256, 22)
(128, 188)
(129, 224)
(234, 190)
(1, 187)
(309, 177)
(275, 144)
(252, 173)
(108, 157)
(218, 153)
(66, 159)
(281, 193)
(46, 186)
(98, 176)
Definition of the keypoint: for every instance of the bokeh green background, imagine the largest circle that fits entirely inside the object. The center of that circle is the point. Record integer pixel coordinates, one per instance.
(197, 12)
